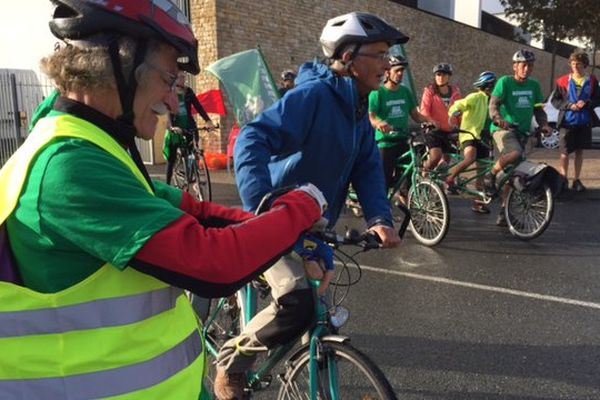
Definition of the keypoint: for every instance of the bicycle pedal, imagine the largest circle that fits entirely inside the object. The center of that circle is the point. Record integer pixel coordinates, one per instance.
(266, 381)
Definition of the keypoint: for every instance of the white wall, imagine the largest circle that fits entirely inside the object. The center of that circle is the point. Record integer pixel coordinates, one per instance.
(25, 35)
(468, 12)
(465, 11)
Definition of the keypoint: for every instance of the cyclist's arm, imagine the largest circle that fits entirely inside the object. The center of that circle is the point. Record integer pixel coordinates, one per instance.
(191, 97)
(279, 130)
(494, 108)
(378, 123)
(540, 115)
(368, 181)
(418, 117)
(426, 100)
(212, 214)
(215, 262)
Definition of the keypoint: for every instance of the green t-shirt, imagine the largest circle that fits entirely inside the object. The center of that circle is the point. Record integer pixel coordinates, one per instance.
(181, 119)
(518, 101)
(43, 109)
(80, 208)
(393, 107)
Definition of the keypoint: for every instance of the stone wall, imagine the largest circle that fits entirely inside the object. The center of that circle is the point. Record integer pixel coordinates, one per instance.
(288, 32)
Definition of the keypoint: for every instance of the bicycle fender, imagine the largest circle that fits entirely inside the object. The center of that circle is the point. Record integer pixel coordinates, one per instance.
(306, 347)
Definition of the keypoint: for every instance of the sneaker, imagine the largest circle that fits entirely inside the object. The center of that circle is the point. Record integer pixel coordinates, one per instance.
(578, 186)
(229, 386)
(501, 220)
(489, 183)
(451, 187)
(480, 208)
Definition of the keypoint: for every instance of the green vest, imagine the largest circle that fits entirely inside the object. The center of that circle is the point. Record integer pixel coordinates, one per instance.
(117, 334)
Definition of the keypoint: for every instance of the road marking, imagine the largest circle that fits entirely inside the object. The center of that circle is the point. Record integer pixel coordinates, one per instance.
(470, 285)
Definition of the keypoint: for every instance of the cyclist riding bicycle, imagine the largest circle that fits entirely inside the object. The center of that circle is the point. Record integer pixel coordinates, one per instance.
(284, 145)
(514, 101)
(437, 99)
(389, 109)
(473, 111)
(183, 123)
(93, 253)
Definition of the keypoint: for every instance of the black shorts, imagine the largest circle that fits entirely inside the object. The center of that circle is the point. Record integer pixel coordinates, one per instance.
(439, 139)
(482, 151)
(575, 138)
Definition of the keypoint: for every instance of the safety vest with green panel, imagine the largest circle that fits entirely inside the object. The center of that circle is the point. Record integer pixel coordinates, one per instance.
(117, 334)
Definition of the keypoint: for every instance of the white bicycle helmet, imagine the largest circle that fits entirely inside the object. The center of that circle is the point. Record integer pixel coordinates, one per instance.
(359, 28)
(523, 56)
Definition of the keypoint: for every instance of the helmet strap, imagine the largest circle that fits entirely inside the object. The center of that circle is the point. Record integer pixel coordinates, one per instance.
(127, 90)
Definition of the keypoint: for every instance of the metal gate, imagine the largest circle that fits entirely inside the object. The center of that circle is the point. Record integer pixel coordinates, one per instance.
(21, 91)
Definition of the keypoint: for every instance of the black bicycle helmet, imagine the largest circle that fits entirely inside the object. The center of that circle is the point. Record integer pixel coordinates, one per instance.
(288, 75)
(523, 56)
(359, 28)
(443, 67)
(486, 78)
(140, 19)
(398, 60)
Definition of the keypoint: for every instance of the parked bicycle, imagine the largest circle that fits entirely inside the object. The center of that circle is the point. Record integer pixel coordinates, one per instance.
(529, 208)
(190, 172)
(322, 366)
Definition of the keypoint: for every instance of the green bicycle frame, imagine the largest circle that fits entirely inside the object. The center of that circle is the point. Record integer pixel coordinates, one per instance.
(249, 294)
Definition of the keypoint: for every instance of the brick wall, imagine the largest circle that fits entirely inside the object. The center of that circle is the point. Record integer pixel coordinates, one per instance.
(288, 32)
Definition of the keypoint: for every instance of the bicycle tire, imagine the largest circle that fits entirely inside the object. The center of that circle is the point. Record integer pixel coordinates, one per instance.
(429, 212)
(200, 186)
(224, 327)
(296, 384)
(178, 178)
(529, 214)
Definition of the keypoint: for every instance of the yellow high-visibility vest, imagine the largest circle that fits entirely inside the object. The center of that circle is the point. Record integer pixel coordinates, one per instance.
(117, 334)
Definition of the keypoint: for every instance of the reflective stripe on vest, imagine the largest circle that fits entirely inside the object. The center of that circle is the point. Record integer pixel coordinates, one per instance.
(118, 334)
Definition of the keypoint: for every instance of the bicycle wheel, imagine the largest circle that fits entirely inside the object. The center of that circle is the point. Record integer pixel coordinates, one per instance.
(179, 172)
(200, 180)
(429, 212)
(357, 376)
(223, 323)
(528, 214)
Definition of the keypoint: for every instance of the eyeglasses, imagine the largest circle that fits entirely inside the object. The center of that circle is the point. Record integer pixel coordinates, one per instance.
(383, 57)
(169, 78)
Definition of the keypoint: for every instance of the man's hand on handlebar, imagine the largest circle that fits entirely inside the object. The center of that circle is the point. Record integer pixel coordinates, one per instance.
(389, 237)
(546, 130)
(385, 127)
(501, 123)
(177, 130)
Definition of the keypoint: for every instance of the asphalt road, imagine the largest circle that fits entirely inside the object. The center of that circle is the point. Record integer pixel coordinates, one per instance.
(482, 315)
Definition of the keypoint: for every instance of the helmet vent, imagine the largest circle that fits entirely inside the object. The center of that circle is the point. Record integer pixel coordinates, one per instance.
(64, 11)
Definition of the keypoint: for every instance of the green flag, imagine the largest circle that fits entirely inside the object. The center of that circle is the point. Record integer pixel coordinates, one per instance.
(408, 78)
(248, 83)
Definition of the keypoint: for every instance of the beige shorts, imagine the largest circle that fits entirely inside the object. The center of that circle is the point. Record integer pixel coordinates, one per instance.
(508, 142)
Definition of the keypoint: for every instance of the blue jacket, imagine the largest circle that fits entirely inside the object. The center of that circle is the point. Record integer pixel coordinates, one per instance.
(312, 135)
